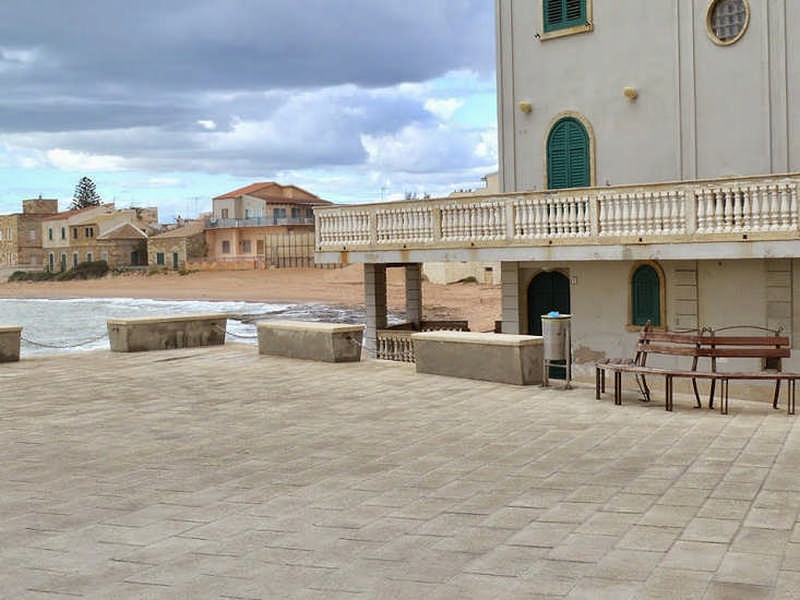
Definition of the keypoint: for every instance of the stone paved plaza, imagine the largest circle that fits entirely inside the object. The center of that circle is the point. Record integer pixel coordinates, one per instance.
(216, 473)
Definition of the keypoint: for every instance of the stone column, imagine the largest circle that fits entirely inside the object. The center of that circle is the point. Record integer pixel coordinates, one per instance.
(375, 300)
(509, 281)
(414, 293)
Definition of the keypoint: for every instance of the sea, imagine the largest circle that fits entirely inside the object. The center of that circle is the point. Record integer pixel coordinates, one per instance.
(79, 324)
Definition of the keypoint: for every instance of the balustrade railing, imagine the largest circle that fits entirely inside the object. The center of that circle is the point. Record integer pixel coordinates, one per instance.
(609, 215)
(395, 343)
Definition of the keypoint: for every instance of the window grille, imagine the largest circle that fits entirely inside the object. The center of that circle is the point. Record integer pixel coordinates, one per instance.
(728, 19)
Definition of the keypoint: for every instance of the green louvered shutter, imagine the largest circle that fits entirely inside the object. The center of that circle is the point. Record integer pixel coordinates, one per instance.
(646, 296)
(560, 14)
(568, 155)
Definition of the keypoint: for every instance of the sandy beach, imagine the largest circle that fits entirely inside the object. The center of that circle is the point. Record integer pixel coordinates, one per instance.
(477, 303)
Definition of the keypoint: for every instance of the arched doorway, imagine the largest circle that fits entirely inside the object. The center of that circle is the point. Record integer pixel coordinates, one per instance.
(568, 156)
(549, 291)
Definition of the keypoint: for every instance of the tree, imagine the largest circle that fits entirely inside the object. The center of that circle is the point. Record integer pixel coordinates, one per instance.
(85, 194)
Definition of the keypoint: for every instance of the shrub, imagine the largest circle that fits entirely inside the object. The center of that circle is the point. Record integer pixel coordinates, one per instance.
(86, 270)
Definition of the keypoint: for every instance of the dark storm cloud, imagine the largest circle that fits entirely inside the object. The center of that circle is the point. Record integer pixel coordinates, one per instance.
(229, 85)
(246, 44)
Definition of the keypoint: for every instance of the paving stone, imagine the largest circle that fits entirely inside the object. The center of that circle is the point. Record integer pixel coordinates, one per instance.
(238, 477)
(749, 568)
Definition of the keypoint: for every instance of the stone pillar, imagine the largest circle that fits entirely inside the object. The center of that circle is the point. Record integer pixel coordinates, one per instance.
(375, 300)
(509, 282)
(414, 293)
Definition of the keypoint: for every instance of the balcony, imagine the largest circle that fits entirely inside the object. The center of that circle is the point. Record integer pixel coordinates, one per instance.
(219, 223)
(682, 220)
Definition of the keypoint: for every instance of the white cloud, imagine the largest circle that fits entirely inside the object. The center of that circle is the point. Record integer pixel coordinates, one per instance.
(68, 160)
(420, 149)
(443, 108)
(207, 124)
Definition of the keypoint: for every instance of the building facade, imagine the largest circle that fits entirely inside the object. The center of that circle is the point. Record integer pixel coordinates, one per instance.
(117, 236)
(243, 221)
(175, 248)
(645, 92)
(21, 235)
(649, 164)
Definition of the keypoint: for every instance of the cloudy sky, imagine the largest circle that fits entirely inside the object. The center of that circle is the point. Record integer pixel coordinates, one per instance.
(172, 102)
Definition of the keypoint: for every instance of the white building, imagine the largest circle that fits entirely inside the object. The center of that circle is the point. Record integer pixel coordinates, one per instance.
(649, 163)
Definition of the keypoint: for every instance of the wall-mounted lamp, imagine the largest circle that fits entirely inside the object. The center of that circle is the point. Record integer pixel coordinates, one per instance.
(526, 107)
(631, 93)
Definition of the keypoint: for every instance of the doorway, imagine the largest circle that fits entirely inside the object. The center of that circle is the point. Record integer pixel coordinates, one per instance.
(549, 291)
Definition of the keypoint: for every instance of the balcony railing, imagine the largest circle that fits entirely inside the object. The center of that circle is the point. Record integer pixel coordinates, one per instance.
(219, 223)
(684, 211)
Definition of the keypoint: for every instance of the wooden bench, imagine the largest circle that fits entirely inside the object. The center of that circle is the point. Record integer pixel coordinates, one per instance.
(703, 344)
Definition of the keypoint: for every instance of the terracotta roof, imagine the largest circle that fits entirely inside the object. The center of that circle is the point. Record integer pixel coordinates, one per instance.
(189, 229)
(71, 213)
(272, 193)
(123, 231)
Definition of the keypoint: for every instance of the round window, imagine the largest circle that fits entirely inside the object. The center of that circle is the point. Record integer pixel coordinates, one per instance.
(727, 20)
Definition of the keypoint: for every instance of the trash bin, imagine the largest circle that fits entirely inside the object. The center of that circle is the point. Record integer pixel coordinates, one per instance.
(556, 330)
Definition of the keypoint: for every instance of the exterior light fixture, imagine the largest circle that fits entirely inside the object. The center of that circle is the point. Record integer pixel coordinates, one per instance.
(631, 93)
(526, 107)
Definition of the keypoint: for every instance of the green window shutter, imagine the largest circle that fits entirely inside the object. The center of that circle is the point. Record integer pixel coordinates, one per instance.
(646, 296)
(560, 14)
(568, 155)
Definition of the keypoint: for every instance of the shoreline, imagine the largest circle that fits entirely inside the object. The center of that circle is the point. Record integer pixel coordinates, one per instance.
(342, 287)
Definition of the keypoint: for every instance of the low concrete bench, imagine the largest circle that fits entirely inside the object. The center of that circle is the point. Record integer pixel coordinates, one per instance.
(167, 332)
(9, 343)
(501, 357)
(326, 342)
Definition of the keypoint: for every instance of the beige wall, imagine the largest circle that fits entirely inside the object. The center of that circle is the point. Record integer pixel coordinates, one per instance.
(716, 294)
(703, 110)
(187, 248)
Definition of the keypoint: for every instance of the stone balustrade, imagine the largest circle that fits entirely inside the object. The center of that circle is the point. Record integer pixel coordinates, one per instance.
(395, 343)
(707, 210)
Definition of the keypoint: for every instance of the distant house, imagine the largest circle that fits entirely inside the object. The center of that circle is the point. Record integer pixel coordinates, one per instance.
(176, 247)
(117, 236)
(252, 224)
(21, 235)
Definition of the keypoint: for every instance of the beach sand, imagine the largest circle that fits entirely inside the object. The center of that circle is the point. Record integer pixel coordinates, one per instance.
(479, 304)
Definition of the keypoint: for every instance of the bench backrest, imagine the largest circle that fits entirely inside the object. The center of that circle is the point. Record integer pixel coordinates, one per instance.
(712, 345)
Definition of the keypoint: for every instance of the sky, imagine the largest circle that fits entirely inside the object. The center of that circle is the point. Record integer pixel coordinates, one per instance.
(169, 103)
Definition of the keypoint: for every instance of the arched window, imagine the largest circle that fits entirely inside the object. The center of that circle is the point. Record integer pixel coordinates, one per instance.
(568, 160)
(646, 296)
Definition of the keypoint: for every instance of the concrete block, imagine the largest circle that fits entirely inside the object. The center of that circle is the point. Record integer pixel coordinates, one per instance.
(167, 332)
(501, 357)
(326, 342)
(9, 343)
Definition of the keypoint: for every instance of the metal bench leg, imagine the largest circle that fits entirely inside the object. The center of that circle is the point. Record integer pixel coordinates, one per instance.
(792, 395)
(723, 392)
(597, 376)
(603, 381)
(777, 393)
(643, 387)
(694, 384)
(617, 387)
(668, 385)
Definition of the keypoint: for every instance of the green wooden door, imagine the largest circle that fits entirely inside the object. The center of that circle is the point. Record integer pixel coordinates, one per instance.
(549, 291)
(568, 155)
(646, 296)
